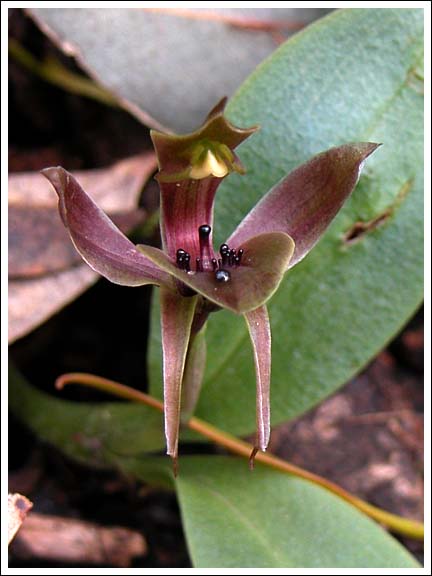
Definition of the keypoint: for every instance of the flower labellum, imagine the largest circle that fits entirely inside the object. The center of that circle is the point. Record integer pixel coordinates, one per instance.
(194, 278)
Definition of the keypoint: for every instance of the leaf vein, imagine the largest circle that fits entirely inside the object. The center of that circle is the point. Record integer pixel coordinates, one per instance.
(247, 522)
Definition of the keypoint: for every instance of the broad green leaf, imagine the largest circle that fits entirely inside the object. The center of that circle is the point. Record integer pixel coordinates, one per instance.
(235, 518)
(169, 67)
(99, 434)
(353, 76)
(232, 517)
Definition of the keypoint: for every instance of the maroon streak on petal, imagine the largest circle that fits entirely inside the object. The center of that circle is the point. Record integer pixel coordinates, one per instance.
(265, 259)
(305, 202)
(176, 321)
(97, 239)
(259, 330)
(191, 167)
(185, 206)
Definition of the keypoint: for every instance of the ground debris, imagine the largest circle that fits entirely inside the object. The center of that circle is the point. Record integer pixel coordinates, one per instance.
(58, 539)
(18, 506)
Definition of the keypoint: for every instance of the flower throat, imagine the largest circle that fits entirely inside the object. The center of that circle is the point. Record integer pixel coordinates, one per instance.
(229, 258)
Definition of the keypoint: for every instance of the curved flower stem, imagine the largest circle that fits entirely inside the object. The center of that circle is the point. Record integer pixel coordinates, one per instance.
(395, 523)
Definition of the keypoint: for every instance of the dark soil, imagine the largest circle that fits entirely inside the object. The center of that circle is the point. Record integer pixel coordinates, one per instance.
(368, 437)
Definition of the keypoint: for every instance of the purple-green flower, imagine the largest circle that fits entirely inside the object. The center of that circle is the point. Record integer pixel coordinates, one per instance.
(196, 279)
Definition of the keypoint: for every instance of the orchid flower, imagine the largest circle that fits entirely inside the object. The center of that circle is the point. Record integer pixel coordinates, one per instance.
(194, 278)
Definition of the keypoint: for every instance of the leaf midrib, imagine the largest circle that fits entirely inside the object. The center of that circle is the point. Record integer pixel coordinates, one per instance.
(202, 483)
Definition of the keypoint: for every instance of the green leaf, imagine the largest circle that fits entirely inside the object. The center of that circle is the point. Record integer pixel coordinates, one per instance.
(96, 434)
(264, 519)
(232, 517)
(353, 76)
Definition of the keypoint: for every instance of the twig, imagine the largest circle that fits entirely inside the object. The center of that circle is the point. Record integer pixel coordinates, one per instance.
(395, 523)
(54, 72)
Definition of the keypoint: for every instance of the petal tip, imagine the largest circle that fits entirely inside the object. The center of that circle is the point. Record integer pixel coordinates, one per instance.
(56, 175)
(372, 146)
(52, 171)
(218, 108)
(367, 148)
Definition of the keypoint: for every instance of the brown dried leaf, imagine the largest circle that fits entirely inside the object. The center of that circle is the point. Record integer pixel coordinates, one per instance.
(73, 541)
(33, 301)
(45, 273)
(101, 244)
(39, 243)
(114, 189)
(18, 506)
